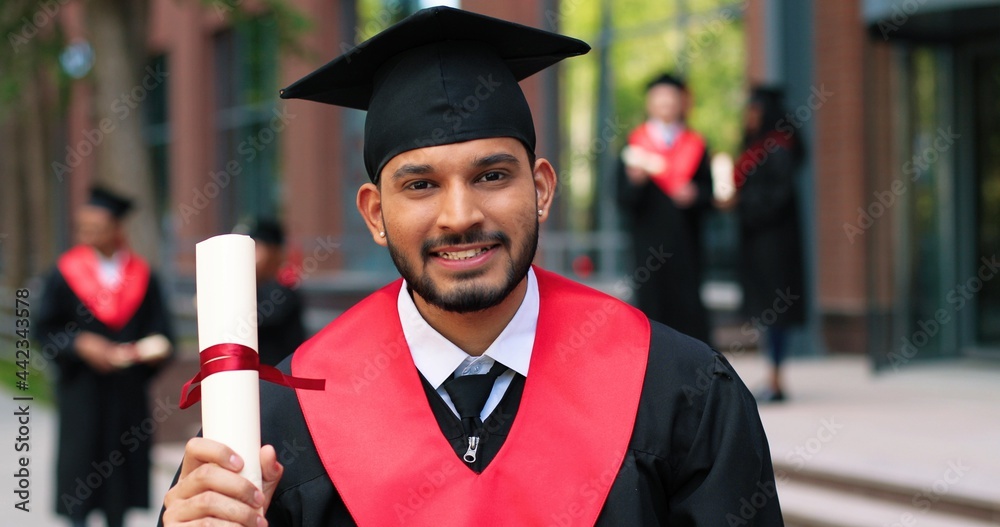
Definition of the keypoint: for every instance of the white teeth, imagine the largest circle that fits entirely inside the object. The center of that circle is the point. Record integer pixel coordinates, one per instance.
(462, 255)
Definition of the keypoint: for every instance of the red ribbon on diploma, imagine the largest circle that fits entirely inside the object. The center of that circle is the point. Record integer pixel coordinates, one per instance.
(236, 357)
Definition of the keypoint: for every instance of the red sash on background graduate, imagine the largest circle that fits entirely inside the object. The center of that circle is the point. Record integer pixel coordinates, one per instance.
(113, 306)
(382, 447)
(672, 167)
(758, 152)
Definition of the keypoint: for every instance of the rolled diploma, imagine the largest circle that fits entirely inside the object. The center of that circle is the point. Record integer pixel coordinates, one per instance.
(227, 313)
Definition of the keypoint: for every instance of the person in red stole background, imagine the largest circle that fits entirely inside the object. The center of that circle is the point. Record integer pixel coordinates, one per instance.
(104, 321)
(279, 306)
(770, 228)
(665, 189)
(479, 389)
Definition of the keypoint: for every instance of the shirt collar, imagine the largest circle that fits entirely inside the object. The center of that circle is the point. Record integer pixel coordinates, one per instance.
(437, 358)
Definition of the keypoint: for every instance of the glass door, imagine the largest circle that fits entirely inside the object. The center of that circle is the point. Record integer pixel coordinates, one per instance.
(983, 282)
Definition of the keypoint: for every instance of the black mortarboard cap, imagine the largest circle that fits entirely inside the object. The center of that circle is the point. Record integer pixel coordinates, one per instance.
(116, 204)
(439, 76)
(268, 230)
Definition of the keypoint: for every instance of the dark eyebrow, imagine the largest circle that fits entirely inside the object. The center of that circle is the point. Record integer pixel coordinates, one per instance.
(411, 170)
(482, 162)
(496, 159)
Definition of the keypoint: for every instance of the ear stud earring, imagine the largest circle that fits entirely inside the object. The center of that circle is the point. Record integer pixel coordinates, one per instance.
(381, 234)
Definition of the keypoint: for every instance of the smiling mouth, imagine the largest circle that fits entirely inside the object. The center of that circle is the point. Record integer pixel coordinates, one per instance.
(463, 255)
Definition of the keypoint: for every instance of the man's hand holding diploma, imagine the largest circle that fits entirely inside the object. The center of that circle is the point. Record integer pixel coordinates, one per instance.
(210, 487)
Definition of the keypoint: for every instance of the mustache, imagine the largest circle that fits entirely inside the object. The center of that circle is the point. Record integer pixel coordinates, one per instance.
(466, 238)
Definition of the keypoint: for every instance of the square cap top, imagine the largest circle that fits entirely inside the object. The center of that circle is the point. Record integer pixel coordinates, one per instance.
(439, 76)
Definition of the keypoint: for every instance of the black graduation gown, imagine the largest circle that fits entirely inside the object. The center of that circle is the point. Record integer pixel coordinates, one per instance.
(279, 321)
(771, 267)
(698, 454)
(667, 289)
(103, 454)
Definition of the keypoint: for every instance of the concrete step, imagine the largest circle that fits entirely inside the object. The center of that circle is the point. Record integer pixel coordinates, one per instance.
(806, 504)
(838, 498)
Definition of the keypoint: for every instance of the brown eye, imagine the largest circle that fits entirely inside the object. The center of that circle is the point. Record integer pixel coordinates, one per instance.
(493, 176)
(419, 185)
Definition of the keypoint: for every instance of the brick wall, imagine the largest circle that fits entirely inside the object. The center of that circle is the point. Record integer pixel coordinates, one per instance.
(840, 172)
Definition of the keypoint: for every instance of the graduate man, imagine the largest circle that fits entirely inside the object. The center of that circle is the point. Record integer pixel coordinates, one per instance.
(103, 318)
(665, 189)
(480, 390)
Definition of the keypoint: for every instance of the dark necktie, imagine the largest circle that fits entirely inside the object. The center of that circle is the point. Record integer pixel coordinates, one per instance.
(469, 394)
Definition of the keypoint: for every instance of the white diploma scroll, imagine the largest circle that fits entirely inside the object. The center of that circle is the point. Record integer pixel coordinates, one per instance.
(227, 314)
(723, 177)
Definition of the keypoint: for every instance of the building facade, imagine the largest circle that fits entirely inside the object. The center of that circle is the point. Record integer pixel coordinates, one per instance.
(226, 149)
(898, 102)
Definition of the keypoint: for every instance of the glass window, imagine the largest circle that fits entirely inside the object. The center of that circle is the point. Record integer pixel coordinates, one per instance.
(986, 72)
(247, 123)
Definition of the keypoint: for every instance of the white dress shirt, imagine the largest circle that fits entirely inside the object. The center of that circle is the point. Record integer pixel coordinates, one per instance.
(109, 270)
(437, 358)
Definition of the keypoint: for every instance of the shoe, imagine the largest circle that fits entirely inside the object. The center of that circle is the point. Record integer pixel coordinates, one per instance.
(768, 395)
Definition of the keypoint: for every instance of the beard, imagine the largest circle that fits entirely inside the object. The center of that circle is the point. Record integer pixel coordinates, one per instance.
(468, 296)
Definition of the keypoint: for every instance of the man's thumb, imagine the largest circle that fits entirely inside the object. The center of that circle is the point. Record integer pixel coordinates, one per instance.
(271, 472)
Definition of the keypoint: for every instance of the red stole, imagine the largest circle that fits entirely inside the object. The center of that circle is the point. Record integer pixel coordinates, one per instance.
(681, 158)
(382, 447)
(113, 306)
(757, 153)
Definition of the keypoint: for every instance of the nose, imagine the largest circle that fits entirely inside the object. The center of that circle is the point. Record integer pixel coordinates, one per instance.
(461, 209)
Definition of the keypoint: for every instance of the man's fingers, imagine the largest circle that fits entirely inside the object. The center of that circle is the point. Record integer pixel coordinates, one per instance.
(216, 506)
(200, 451)
(215, 478)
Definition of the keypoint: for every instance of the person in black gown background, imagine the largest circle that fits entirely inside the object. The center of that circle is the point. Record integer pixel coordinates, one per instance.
(771, 268)
(279, 307)
(105, 322)
(664, 191)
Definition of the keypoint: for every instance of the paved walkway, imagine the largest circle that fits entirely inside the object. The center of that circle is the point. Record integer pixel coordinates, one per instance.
(930, 433)
(934, 427)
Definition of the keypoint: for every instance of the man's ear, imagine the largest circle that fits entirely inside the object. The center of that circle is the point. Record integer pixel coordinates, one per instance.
(545, 187)
(370, 206)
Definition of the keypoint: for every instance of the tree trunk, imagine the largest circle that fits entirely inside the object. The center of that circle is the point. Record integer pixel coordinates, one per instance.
(36, 174)
(121, 87)
(13, 240)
